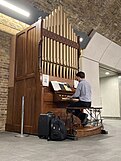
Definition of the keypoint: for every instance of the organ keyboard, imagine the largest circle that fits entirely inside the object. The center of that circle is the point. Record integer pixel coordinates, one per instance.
(63, 96)
(63, 92)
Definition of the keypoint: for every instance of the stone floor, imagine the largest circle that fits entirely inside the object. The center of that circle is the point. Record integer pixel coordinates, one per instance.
(102, 147)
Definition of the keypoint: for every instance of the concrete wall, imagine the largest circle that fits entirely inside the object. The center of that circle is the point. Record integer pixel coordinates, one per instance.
(101, 51)
(91, 68)
(119, 81)
(110, 96)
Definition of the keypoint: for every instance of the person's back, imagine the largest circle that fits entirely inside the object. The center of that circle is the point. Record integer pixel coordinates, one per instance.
(85, 94)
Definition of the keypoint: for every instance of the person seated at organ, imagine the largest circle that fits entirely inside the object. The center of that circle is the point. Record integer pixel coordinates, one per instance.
(83, 93)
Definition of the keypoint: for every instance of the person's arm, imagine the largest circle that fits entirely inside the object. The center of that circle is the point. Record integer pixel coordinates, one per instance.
(77, 92)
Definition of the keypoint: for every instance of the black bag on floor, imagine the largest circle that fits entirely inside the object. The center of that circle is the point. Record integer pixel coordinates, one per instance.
(44, 123)
(58, 130)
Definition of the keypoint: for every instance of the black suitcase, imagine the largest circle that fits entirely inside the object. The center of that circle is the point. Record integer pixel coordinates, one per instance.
(44, 125)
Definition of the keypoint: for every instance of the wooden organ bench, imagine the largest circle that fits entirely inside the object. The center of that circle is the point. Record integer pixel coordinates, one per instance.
(93, 112)
(94, 126)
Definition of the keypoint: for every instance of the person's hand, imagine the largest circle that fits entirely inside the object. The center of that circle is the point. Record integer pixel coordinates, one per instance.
(69, 97)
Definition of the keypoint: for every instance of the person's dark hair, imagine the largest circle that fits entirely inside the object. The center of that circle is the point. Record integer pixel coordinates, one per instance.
(80, 74)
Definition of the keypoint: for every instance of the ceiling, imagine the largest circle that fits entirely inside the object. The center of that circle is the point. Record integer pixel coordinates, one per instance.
(34, 12)
(84, 15)
(103, 70)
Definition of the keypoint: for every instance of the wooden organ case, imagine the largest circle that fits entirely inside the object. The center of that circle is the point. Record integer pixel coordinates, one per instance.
(50, 47)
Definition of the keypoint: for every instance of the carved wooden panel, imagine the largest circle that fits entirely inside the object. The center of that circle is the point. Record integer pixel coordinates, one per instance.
(26, 81)
(31, 50)
(20, 54)
(30, 103)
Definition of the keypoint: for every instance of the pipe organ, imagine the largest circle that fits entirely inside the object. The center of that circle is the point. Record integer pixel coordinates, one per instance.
(49, 47)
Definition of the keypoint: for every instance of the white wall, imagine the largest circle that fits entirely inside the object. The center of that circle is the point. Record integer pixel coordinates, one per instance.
(91, 70)
(110, 96)
(101, 50)
(104, 51)
(119, 80)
